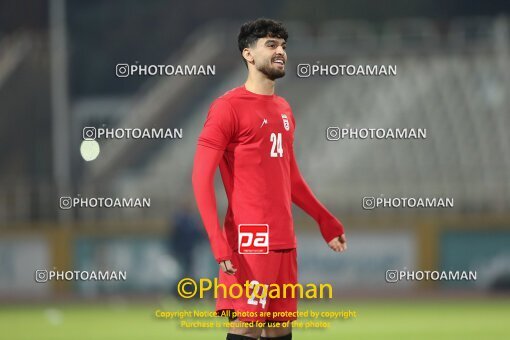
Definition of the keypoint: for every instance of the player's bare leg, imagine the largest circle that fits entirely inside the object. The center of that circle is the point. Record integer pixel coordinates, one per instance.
(284, 332)
(246, 332)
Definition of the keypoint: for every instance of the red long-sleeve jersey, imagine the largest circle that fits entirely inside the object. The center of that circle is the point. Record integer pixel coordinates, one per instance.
(255, 134)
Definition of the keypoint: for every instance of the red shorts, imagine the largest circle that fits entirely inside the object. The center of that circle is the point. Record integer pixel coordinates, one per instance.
(277, 267)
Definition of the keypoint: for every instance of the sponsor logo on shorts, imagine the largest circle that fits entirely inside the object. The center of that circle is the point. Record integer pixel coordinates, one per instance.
(253, 239)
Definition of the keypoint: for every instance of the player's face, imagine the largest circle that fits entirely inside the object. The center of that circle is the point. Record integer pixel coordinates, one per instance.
(270, 57)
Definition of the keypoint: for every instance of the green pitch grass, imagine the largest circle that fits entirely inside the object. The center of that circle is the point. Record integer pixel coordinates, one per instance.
(481, 319)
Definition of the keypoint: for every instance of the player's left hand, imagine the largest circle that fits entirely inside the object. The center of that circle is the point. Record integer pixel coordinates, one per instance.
(338, 244)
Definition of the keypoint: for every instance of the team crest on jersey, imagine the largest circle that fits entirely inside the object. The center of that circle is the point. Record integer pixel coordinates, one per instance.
(285, 122)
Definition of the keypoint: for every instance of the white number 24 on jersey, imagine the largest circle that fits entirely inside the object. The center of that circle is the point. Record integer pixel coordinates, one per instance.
(276, 148)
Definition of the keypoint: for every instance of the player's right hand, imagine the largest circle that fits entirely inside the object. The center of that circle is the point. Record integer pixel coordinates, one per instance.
(227, 267)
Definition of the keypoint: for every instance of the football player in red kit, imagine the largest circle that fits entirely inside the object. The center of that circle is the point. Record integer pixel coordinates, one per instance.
(249, 134)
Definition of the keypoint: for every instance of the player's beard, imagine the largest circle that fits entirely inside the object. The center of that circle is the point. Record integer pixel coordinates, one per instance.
(270, 71)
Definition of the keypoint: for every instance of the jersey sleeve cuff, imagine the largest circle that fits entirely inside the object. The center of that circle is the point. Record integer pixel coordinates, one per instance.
(223, 258)
(331, 229)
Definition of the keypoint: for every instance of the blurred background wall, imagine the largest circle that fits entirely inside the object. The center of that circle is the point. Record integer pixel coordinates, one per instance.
(58, 75)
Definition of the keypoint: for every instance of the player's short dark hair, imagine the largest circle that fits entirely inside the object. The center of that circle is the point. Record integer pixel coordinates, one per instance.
(260, 28)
